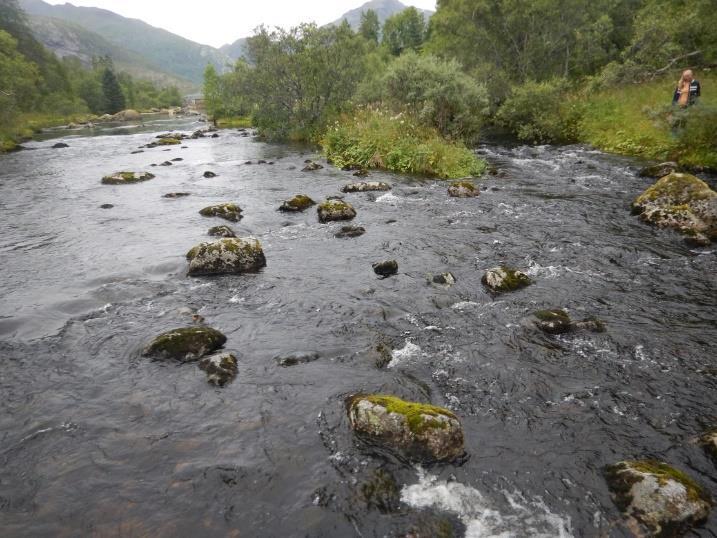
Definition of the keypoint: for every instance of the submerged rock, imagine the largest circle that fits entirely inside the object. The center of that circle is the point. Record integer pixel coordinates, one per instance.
(226, 256)
(209, 174)
(106, 206)
(166, 163)
(414, 431)
(311, 166)
(165, 142)
(361, 173)
(554, 321)
(463, 189)
(709, 443)
(335, 210)
(381, 492)
(659, 170)
(656, 499)
(222, 231)
(366, 186)
(350, 231)
(296, 358)
(444, 279)
(220, 369)
(185, 344)
(501, 279)
(681, 202)
(124, 178)
(60, 145)
(386, 268)
(300, 202)
(176, 194)
(228, 211)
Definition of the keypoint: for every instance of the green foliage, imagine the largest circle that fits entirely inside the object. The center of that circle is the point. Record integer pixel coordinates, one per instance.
(436, 93)
(404, 31)
(541, 113)
(375, 139)
(301, 77)
(18, 80)
(370, 28)
(114, 100)
(224, 96)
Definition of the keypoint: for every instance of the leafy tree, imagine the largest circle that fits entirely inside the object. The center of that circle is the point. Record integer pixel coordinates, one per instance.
(370, 27)
(302, 76)
(404, 31)
(436, 93)
(18, 80)
(212, 92)
(114, 100)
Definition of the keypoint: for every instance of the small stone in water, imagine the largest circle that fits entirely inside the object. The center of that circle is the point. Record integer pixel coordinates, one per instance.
(386, 268)
(209, 174)
(106, 206)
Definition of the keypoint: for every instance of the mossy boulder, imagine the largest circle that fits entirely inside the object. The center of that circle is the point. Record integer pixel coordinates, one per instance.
(311, 166)
(176, 195)
(386, 268)
(125, 178)
(416, 432)
(185, 344)
(226, 256)
(463, 189)
(300, 202)
(444, 279)
(229, 211)
(220, 369)
(681, 202)
(128, 115)
(659, 170)
(657, 499)
(554, 321)
(502, 279)
(222, 231)
(709, 443)
(366, 186)
(168, 142)
(335, 210)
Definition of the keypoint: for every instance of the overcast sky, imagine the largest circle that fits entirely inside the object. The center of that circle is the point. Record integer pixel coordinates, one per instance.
(218, 22)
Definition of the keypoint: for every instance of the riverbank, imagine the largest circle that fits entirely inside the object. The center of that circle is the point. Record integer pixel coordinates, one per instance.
(639, 120)
(26, 126)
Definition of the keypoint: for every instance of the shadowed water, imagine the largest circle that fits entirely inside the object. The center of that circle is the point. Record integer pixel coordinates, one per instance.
(96, 440)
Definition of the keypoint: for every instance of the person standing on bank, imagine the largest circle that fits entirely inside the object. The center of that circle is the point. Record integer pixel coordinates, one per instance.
(688, 90)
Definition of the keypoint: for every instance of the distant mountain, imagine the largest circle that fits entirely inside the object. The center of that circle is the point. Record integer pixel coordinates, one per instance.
(235, 50)
(383, 8)
(158, 49)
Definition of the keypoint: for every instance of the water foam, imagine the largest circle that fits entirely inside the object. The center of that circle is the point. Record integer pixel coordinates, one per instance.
(482, 518)
(399, 356)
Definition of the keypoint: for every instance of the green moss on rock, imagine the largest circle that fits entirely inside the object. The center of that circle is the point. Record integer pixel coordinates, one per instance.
(123, 178)
(168, 142)
(554, 321)
(227, 211)
(300, 202)
(366, 186)
(226, 256)
(463, 189)
(335, 210)
(185, 344)
(503, 279)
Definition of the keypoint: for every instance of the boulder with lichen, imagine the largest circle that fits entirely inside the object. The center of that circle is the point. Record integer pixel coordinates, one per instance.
(300, 202)
(229, 211)
(463, 189)
(681, 202)
(220, 369)
(126, 178)
(413, 431)
(335, 210)
(503, 278)
(185, 344)
(226, 256)
(366, 186)
(657, 499)
(222, 231)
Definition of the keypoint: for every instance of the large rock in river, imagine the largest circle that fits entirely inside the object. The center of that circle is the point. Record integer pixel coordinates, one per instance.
(128, 115)
(332, 210)
(659, 170)
(414, 431)
(657, 500)
(300, 202)
(682, 202)
(500, 279)
(228, 211)
(185, 344)
(366, 186)
(220, 369)
(226, 256)
(124, 178)
(463, 189)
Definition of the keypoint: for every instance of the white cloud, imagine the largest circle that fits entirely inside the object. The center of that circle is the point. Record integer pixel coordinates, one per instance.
(217, 22)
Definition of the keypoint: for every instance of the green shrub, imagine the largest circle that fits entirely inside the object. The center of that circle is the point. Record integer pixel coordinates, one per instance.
(437, 93)
(375, 139)
(541, 113)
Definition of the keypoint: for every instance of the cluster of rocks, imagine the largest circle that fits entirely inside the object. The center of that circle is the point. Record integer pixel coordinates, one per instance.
(124, 178)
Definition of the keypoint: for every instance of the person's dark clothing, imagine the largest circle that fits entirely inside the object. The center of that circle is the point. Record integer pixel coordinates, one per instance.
(695, 92)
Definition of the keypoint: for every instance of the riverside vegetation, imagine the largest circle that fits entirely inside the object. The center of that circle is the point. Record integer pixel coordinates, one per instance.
(413, 96)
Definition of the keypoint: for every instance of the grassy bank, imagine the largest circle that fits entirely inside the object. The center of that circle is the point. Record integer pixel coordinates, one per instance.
(638, 119)
(25, 126)
(237, 122)
(374, 139)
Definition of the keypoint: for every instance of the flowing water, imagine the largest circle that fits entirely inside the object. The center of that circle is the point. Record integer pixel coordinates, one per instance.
(97, 440)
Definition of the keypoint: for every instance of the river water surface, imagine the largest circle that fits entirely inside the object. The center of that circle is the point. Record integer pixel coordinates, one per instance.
(96, 440)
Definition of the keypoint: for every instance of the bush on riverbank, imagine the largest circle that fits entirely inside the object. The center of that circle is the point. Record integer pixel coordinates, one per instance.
(375, 139)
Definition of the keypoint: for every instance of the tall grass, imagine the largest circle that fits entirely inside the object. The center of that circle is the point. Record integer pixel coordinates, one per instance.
(375, 139)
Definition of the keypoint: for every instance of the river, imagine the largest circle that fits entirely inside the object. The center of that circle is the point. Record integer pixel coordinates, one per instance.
(97, 440)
